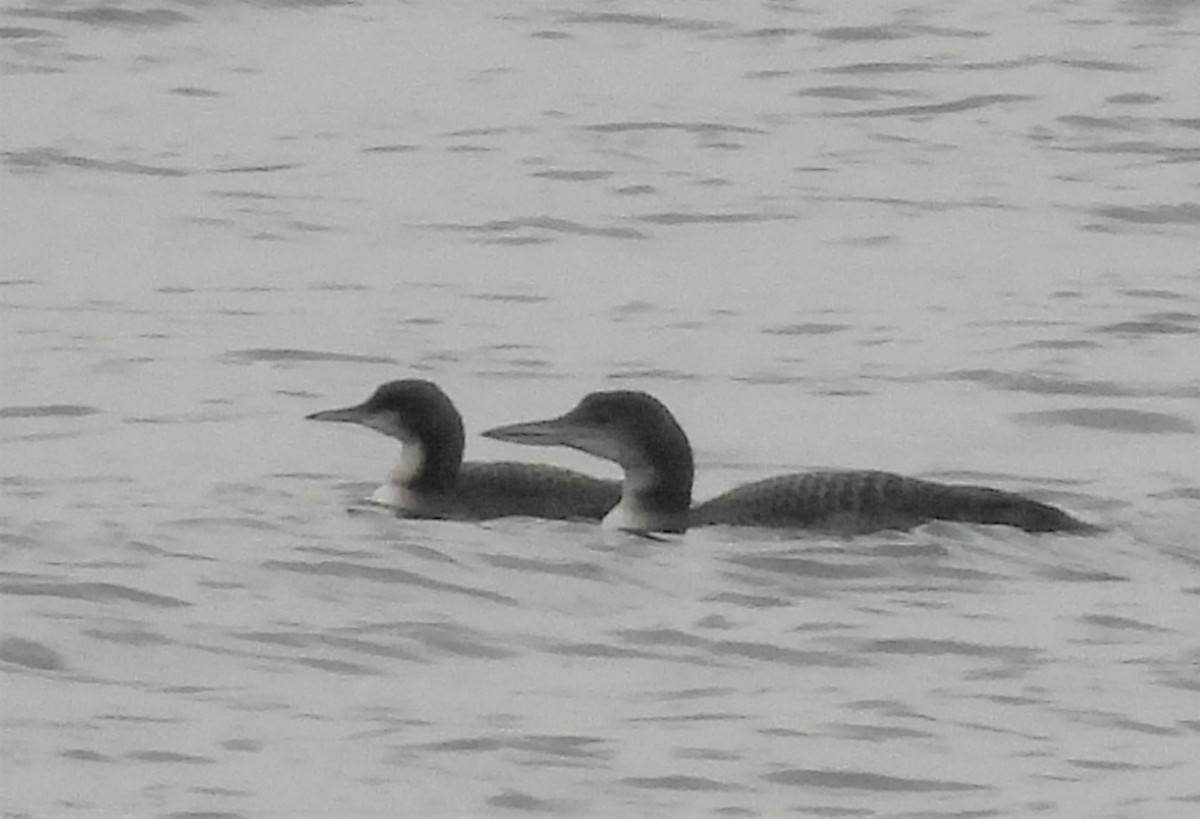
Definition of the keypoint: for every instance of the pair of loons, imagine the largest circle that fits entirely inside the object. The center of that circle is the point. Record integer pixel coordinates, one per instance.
(638, 432)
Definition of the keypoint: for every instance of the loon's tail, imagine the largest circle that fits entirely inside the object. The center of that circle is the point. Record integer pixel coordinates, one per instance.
(982, 504)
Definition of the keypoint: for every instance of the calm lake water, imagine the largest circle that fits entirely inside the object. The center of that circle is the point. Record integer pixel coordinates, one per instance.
(956, 240)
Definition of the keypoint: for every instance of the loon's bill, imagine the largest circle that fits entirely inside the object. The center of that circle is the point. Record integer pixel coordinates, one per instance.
(431, 480)
(638, 432)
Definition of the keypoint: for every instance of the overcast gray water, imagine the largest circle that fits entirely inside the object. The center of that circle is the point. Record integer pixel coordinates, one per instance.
(957, 241)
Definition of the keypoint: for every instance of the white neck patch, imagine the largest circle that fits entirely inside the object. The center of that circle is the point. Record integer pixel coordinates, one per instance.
(395, 497)
(631, 513)
(408, 468)
(396, 492)
(623, 517)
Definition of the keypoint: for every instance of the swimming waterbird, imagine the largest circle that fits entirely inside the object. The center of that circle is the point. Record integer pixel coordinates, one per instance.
(638, 432)
(432, 481)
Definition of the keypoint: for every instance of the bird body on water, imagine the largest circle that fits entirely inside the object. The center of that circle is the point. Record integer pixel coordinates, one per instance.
(855, 502)
(638, 432)
(432, 481)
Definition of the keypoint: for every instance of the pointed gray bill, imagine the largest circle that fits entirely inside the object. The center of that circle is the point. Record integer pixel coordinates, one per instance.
(352, 415)
(568, 431)
(560, 431)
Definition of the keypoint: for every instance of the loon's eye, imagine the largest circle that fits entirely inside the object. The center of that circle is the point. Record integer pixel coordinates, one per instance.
(602, 415)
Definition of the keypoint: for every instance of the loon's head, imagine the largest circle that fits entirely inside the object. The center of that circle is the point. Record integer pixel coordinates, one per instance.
(638, 432)
(425, 422)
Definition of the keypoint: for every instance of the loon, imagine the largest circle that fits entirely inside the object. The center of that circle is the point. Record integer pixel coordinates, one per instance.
(638, 432)
(431, 480)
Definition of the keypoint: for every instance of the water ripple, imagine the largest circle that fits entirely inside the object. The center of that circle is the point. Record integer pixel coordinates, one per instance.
(286, 355)
(48, 411)
(1110, 419)
(686, 127)
(1186, 213)
(94, 592)
(954, 107)
(30, 654)
(859, 780)
(934, 648)
(549, 224)
(338, 568)
(651, 21)
(43, 158)
(104, 15)
(680, 782)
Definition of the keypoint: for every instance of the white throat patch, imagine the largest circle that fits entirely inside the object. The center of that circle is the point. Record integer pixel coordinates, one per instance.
(396, 492)
(631, 513)
(625, 517)
(394, 497)
(408, 468)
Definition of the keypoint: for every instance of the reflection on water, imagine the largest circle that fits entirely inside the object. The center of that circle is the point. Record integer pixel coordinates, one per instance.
(934, 241)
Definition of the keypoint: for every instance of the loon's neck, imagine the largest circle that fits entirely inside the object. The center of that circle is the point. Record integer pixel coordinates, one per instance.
(423, 474)
(654, 498)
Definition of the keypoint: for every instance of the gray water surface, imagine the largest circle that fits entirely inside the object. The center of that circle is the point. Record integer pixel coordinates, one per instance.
(956, 241)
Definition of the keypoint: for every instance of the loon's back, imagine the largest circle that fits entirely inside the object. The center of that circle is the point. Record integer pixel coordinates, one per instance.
(867, 501)
(486, 490)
